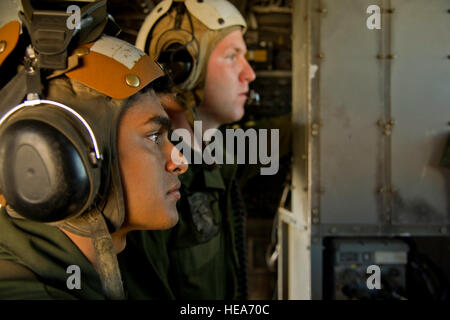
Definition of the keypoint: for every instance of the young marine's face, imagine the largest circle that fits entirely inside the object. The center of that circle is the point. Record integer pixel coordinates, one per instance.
(227, 78)
(149, 176)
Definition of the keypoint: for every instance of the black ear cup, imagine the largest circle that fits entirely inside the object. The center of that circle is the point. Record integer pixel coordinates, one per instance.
(178, 62)
(41, 173)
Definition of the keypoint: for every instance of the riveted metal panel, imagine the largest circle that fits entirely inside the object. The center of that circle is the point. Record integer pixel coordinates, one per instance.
(350, 102)
(421, 110)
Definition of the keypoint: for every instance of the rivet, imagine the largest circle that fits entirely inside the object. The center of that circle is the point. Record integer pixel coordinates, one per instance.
(93, 158)
(32, 96)
(31, 54)
(221, 21)
(82, 51)
(2, 46)
(132, 80)
(320, 55)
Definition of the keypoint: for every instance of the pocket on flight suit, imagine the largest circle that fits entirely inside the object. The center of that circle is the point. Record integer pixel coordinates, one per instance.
(205, 217)
(200, 251)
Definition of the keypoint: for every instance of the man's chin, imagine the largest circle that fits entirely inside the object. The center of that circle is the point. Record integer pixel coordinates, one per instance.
(170, 221)
(174, 219)
(239, 113)
(239, 118)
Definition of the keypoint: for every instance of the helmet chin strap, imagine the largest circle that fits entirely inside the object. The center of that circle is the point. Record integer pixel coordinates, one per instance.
(107, 264)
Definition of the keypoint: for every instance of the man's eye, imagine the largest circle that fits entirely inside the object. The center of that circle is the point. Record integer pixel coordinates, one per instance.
(155, 137)
(231, 56)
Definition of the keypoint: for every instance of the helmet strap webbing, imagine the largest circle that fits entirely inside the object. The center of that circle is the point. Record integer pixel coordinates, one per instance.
(107, 263)
(13, 93)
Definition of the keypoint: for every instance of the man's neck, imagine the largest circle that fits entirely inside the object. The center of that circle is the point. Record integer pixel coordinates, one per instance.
(208, 121)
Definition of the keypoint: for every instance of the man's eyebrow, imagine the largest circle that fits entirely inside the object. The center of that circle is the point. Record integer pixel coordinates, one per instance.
(239, 49)
(164, 122)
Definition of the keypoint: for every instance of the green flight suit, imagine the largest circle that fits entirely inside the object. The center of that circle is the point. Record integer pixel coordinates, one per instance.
(34, 258)
(197, 259)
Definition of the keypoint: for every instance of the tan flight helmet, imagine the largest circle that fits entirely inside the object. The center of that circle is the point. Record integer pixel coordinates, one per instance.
(58, 149)
(181, 35)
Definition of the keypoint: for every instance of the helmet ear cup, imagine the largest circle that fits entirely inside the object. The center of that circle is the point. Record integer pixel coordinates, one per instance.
(178, 62)
(43, 174)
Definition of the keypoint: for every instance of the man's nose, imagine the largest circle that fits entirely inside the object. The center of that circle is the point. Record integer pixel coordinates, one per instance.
(175, 161)
(247, 73)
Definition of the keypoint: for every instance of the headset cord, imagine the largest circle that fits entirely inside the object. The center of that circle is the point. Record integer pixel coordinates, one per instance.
(240, 217)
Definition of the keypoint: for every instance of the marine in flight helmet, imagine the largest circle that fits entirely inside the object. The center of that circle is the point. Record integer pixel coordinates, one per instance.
(59, 117)
(181, 35)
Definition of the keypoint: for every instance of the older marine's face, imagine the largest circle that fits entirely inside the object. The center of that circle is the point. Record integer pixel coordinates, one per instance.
(149, 175)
